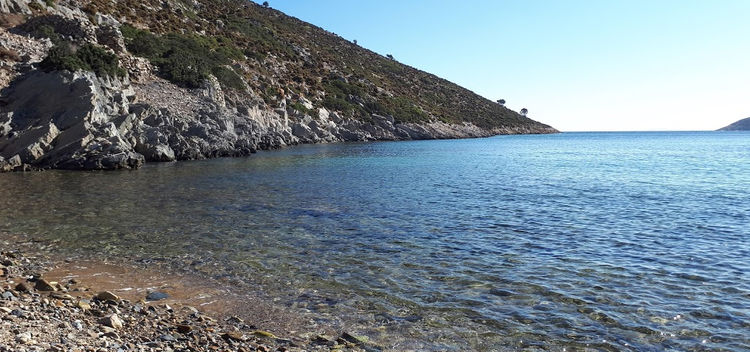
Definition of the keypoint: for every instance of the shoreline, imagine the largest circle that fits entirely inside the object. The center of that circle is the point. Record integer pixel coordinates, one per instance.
(53, 303)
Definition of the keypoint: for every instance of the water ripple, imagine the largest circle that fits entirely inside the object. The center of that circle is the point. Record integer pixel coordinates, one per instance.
(596, 241)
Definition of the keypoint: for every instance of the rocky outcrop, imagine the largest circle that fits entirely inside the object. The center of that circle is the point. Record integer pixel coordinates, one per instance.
(15, 6)
(741, 125)
(65, 120)
(78, 120)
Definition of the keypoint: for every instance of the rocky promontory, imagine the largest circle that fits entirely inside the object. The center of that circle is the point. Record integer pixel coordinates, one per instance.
(101, 85)
(741, 125)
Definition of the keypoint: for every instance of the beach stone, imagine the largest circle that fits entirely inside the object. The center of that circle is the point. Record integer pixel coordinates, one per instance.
(156, 296)
(25, 338)
(8, 296)
(261, 333)
(23, 287)
(233, 336)
(44, 285)
(167, 337)
(323, 340)
(78, 325)
(61, 296)
(107, 296)
(5, 310)
(111, 334)
(184, 329)
(112, 321)
(235, 320)
(353, 339)
(83, 305)
(190, 309)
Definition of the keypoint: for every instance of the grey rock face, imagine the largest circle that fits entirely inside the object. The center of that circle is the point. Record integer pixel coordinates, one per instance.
(15, 6)
(65, 120)
(80, 121)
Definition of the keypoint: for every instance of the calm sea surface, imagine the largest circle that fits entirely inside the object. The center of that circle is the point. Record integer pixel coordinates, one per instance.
(605, 241)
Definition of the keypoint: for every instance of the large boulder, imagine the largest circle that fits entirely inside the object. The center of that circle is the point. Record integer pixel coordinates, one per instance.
(66, 120)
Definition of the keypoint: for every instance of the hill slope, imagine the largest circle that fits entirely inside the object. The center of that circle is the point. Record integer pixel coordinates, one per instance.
(741, 125)
(162, 80)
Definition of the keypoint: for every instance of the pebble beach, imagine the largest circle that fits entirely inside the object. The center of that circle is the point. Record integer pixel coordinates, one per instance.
(43, 310)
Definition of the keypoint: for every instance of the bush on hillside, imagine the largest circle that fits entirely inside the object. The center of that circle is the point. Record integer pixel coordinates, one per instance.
(89, 57)
(186, 60)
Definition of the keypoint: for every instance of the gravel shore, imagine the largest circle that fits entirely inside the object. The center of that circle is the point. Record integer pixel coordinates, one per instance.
(40, 314)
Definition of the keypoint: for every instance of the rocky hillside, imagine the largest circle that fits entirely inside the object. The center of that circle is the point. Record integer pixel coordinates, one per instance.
(103, 84)
(741, 125)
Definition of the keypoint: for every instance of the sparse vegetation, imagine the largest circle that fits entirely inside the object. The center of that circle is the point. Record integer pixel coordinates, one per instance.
(64, 56)
(46, 31)
(228, 78)
(184, 59)
(280, 54)
(299, 107)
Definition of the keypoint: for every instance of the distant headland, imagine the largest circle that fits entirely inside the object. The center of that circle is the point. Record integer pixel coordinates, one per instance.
(741, 125)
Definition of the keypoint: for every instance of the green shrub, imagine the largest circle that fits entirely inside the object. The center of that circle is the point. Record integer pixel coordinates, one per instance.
(299, 107)
(89, 57)
(228, 78)
(404, 110)
(189, 71)
(350, 98)
(36, 7)
(142, 43)
(186, 60)
(49, 3)
(259, 37)
(46, 31)
(342, 96)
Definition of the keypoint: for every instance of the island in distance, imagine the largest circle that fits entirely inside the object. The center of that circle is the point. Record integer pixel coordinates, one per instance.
(741, 125)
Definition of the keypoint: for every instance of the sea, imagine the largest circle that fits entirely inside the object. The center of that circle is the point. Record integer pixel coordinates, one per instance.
(619, 241)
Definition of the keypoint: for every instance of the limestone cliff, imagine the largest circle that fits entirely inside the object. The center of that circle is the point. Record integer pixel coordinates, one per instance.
(92, 85)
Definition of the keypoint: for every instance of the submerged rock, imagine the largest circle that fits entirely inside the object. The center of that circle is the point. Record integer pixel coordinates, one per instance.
(44, 285)
(156, 296)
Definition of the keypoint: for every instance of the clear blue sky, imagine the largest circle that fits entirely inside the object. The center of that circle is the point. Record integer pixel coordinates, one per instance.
(576, 65)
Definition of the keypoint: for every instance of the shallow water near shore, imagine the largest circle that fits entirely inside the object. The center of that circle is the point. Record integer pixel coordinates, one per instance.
(607, 241)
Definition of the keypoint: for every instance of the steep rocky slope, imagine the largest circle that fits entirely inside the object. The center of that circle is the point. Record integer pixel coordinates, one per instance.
(741, 125)
(100, 84)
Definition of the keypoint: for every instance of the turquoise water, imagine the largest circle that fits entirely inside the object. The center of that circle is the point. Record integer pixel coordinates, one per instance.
(601, 241)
